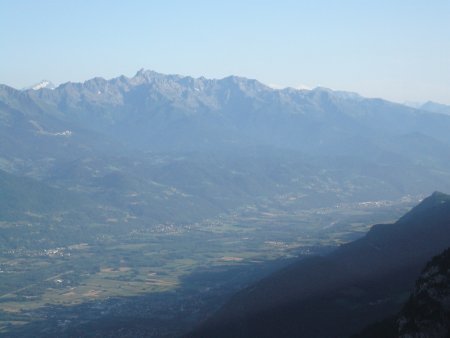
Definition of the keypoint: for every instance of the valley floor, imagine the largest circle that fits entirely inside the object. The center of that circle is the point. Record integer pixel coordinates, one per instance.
(170, 273)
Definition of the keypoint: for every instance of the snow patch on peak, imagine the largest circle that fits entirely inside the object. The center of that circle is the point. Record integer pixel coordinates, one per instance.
(43, 84)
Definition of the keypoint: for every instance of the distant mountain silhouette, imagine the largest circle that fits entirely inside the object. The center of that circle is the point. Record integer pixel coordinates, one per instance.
(339, 294)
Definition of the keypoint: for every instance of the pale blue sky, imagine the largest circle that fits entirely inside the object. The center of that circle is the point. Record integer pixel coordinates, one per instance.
(396, 49)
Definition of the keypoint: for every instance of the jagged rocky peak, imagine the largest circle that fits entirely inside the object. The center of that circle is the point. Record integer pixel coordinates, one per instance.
(95, 83)
(246, 84)
(144, 76)
(150, 76)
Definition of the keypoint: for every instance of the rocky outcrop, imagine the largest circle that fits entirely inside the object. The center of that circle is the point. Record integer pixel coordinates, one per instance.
(427, 312)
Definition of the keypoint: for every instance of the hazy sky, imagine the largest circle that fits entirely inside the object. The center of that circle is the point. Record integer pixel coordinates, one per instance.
(396, 49)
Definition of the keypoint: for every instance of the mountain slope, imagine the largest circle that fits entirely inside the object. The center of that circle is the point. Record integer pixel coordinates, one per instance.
(435, 107)
(426, 313)
(20, 195)
(337, 295)
(220, 143)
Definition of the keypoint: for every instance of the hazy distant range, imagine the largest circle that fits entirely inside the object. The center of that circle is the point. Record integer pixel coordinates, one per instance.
(221, 142)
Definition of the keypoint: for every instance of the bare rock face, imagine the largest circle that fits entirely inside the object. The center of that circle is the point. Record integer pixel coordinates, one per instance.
(427, 312)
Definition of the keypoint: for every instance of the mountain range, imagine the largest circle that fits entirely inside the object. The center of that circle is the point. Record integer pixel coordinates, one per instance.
(258, 140)
(168, 112)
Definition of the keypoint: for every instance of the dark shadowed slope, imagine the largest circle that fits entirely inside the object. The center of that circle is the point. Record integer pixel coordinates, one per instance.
(426, 313)
(339, 294)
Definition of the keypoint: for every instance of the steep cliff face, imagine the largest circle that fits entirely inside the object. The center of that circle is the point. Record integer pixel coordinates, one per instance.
(427, 312)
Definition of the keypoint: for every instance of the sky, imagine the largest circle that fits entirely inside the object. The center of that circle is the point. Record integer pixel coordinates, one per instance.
(398, 50)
